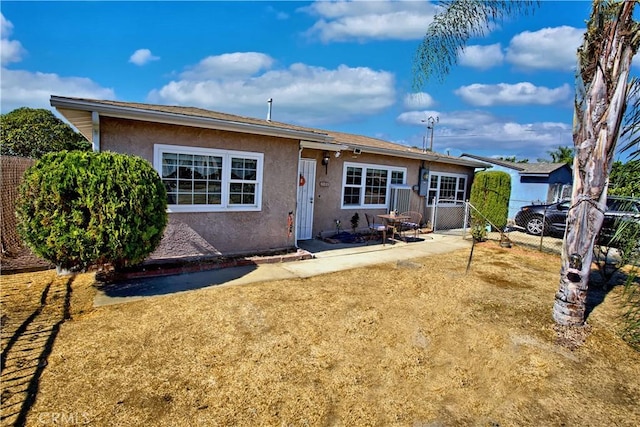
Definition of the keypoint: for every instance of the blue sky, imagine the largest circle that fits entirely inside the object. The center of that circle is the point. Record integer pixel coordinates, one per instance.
(344, 66)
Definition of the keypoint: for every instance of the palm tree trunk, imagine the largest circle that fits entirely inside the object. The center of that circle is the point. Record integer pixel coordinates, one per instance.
(604, 62)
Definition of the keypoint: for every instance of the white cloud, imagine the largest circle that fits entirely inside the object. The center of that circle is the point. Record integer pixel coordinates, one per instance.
(547, 49)
(413, 101)
(6, 27)
(416, 117)
(238, 64)
(483, 133)
(10, 50)
(525, 140)
(636, 61)
(27, 89)
(20, 88)
(365, 20)
(481, 57)
(142, 57)
(301, 93)
(524, 93)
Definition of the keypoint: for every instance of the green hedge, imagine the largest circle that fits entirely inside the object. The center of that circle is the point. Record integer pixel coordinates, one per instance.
(490, 194)
(77, 209)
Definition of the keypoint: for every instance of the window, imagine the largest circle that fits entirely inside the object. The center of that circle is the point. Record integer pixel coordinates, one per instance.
(447, 188)
(206, 180)
(368, 185)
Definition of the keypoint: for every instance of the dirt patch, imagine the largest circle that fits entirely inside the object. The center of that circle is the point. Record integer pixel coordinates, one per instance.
(417, 343)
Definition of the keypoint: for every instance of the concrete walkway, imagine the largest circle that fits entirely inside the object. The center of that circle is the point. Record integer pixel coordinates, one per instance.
(328, 258)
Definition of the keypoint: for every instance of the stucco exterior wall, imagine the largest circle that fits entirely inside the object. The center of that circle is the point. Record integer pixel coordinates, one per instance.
(328, 188)
(229, 232)
(266, 230)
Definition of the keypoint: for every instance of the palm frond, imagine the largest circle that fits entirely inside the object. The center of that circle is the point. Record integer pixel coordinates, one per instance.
(452, 28)
(630, 134)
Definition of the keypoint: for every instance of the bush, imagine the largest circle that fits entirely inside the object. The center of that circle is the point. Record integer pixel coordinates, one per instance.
(33, 132)
(490, 194)
(78, 208)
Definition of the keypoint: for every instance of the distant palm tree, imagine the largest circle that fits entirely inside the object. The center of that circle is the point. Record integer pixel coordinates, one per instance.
(512, 159)
(602, 89)
(562, 155)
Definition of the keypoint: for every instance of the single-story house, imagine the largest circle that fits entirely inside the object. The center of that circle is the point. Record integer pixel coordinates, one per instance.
(532, 183)
(247, 185)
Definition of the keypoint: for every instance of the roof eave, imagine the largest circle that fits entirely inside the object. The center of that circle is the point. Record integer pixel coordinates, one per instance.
(429, 156)
(184, 120)
(495, 162)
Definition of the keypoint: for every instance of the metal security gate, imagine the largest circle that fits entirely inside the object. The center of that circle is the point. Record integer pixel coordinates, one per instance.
(448, 215)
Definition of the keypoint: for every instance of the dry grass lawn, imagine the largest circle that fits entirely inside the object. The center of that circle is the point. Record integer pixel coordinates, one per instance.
(417, 343)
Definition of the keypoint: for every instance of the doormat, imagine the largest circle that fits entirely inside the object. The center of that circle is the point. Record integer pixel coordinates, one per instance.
(345, 237)
(416, 239)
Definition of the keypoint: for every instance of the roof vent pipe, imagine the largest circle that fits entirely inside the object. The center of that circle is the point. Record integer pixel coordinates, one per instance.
(269, 103)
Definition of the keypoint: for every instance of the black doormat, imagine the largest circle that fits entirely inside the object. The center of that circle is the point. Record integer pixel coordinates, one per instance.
(345, 237)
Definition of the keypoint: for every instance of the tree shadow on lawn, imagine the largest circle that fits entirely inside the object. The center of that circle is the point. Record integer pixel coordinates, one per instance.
(27, 351)
(599, 287)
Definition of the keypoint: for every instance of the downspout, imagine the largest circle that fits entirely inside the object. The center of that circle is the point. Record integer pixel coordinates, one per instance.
(95, 131)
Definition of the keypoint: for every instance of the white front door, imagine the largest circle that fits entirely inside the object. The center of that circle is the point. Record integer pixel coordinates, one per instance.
(306, 187)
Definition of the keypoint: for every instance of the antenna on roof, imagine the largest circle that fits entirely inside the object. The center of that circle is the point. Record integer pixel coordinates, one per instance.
(269, 103)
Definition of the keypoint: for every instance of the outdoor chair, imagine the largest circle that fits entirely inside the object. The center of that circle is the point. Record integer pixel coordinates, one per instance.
(375, 229)
(413, 223)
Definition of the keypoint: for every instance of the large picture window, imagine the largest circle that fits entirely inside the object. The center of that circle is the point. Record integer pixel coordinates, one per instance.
(203, 180)
(447, 188)
(369, 185)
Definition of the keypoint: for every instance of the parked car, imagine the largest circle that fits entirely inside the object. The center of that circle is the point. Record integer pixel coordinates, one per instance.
(551, 218)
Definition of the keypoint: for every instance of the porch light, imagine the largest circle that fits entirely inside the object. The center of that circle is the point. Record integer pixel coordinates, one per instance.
(325, 162)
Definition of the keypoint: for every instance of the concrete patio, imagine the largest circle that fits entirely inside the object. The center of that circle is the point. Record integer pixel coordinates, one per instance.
(327, 258)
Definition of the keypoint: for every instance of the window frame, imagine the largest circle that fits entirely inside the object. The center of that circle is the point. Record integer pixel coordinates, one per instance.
(363, 183)
(226, 178)
(438, 188)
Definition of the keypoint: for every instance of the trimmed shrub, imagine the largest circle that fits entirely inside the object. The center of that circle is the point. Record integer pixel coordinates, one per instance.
(490, 194)
(78, 209)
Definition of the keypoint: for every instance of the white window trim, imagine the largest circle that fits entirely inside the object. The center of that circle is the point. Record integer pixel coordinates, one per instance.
(447, 202)
(159, 149)
(364, 167)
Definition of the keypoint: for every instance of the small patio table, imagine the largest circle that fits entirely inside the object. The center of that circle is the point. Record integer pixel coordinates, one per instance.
(393, 221)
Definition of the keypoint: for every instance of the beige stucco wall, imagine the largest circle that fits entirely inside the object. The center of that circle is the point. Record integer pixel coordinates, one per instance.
(229, 232)
(245, 232)
(328, 189)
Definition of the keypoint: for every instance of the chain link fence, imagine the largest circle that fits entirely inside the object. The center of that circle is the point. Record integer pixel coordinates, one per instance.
(12, 170)
(536, 226)
(533, 230)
